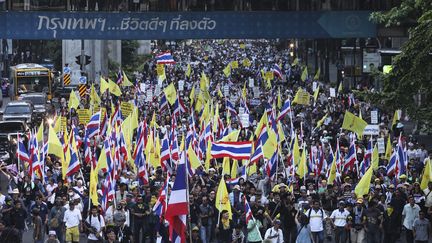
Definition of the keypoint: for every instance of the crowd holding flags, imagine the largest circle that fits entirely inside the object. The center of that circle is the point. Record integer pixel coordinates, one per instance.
(205, 127)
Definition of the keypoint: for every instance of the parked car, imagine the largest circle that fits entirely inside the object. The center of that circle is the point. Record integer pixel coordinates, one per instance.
(39, 101)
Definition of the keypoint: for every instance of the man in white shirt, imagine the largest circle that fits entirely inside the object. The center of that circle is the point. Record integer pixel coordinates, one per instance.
(95, 224)
(274, 234)
(410, 213)
(72, 219)
(428, 195)
(339, 219)
(316, 221)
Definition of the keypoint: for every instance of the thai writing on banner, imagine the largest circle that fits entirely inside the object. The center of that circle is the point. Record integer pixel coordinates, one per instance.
(101, 24)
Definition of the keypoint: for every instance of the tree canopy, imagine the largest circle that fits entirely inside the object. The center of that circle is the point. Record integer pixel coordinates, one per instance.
(409, 84)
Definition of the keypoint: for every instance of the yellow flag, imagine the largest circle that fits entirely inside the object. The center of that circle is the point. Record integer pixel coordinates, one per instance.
(246, 62)
(316, 92)
(353, 123)
(225, 166)
(155, 156)
(244, 91)
(317, 74)
(57, 124)
(194, 161)
(170, 93)
(73, 100)
(280, 133)
(279, 100)
(114, 88)
(192, 94)
(220, 93)
(231, 137)
(388, 151)
(363, 186)
(340, 88)
(39, 135)
(332, 173)
(134, 119)
(94, 97)
(234, 169)
(93, 187)
(302, 169)
(295, 62)
(321, 121)
(204, 81)
(103, 85)
(234, 64)
(160, 70)
(222, 201)
(56, 148)
(302, 97)
(427, 175)
(102, 161)
(375, 157)
(396, 117)
(227, 70)
(262, 122)
(188, 71)
(304, 74)
(296, 151)
(126, 82)
(271, 145)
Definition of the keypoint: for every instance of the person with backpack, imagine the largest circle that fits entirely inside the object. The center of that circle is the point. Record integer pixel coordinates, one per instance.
(95, 224)
(274, 234)
(316, 216)
(357, 221)
(339, 221)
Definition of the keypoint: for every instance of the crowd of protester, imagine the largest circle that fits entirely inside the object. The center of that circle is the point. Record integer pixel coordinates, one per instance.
(285, 207)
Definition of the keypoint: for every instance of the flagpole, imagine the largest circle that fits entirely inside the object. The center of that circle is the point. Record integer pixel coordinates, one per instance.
(187, 193)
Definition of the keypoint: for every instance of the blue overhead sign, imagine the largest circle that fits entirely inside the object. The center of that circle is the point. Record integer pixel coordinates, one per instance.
(185, 25)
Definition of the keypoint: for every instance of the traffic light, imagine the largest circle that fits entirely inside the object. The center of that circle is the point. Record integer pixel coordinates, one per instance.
(78, 60)
(87, 60)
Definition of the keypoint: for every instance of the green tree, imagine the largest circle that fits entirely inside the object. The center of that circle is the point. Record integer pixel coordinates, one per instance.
(409, 84)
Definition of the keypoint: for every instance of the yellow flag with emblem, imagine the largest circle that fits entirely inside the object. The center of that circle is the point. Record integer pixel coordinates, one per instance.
(302, 97)
(170, 93)
(94, 97)
(192, 95)
(40, 132)
(302, 169)
(317, 74)
(234, 64)
(222, 201)
(246, 62)
(296, 151)
(353, 123)
(114, 88)
(332, 174)
(55, 147)
(234, 169)
(363, 186)
(93, 187)
(316, 92)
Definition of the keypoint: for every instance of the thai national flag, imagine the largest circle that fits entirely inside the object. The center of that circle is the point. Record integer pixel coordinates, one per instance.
(277, 71)
(160, 206)
(286, 108)
(368, 155)
(165, 155)
(163, 103)
(104, 125)
(351, 158)
(77, 137)
(230, 108)
(119, 77)
(93, 125)
(235, 181)
(179, 107)
(257, 155)
(271, 166)
(392, 165)
(142, 167)
(233, 150)
(22, 153)
(401, 157)
(36, 169)
(74, 164)
(178, 204)
(248, 211)
(165, 58)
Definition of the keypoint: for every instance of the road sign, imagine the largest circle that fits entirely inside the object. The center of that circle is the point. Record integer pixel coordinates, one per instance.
(186, 25)
(82, 89)
(83, 80)
(67, 79)
(66, 70)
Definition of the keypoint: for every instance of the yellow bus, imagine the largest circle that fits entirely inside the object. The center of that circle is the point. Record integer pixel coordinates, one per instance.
(30, 77)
